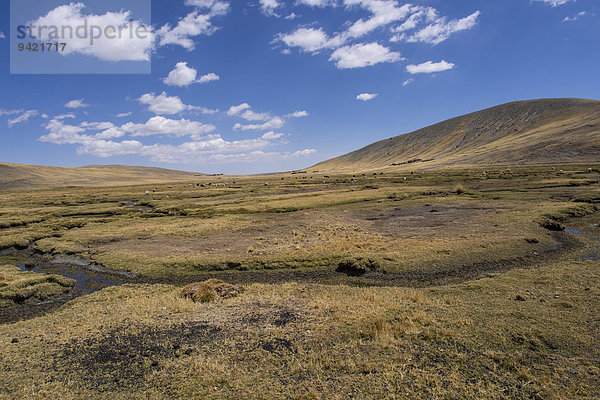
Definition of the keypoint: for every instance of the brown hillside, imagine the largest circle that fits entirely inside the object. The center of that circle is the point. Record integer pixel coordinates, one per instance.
(15, 176)
(530, 132)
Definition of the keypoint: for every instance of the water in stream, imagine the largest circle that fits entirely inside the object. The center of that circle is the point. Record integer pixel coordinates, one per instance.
(89, 278)
(593, 256)
(87, 282)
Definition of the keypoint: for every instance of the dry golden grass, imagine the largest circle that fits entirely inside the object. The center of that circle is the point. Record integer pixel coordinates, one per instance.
(325, 335)
(17, 287)
(521, 133)
(471, 341)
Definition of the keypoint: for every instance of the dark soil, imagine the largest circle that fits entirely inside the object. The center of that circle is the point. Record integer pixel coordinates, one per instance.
(124, 356)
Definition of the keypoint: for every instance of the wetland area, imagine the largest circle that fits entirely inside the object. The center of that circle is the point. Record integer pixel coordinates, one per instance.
(468, 283)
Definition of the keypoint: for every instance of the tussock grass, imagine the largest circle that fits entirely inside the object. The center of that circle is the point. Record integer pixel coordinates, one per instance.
(17, 287)
(471, 341)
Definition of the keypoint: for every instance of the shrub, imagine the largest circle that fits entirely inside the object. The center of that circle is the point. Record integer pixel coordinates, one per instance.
(210, 290)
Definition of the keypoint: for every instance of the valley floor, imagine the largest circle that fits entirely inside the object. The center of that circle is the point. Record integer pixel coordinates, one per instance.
(447, 284)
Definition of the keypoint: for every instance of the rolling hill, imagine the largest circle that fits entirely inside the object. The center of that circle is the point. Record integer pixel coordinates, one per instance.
(533, 132)
(15, 176)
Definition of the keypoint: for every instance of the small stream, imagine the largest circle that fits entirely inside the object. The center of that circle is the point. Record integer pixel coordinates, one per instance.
(87, 282)
(89, 277)
(593, 256)
(141, 208)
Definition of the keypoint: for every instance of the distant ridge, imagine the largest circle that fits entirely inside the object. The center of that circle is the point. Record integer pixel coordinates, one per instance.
(531, 132)
(14, 176)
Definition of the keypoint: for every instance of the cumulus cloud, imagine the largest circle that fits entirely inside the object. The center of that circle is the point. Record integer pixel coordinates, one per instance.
(250, 115)
(208, 78)
(76, 104)
(298, 114)
(553, 3)
(383, 13)
(123, 38)
(235, 110)
(309, 39)
(268, 6)
(164, 126)
(23, 117)
(196, 23)
(574, 17)
(401, 22)
(202, 146)
(4, 111)
(64, 116)
(316, 3)
(163, 104)
(440, 30)
(274, 123)
(245, 111)
(305, 152)
(96, 125)
(182, 75)
(362, 55)
(429, 67)
(366, 96)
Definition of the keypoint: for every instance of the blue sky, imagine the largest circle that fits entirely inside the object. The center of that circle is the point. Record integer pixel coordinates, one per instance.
(273, 85)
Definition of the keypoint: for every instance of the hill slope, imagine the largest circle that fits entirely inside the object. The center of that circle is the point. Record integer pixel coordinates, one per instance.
(530, 132)
(13, 176)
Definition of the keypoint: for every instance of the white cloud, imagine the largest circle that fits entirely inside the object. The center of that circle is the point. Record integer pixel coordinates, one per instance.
(168, 105)
(309, 39)
(363, 55)
(268, 6)
(441, 30)
(23, 117)
(408, 82)
(123, 115)
(384, 12)
(4, 111)
(196, 23)
(61, 133)
(316, 3)
(429, 67)
(235, 110)
(574, 17)
(250, 115)
(271, 135)
(245, 111)
(366, 96)
(76, 104)
(182, 75)
(274, 123)
(305, 152)
(203, 145)
(404, 21)
(107, 148)
(209, 78)
(64, 116)
(298, 114)
(164, 126)
(2, 35)
(553, 3)
(96, 125)
(118, 41)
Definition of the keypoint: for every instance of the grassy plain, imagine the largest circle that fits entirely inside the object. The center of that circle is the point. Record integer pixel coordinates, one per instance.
(452, 286)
